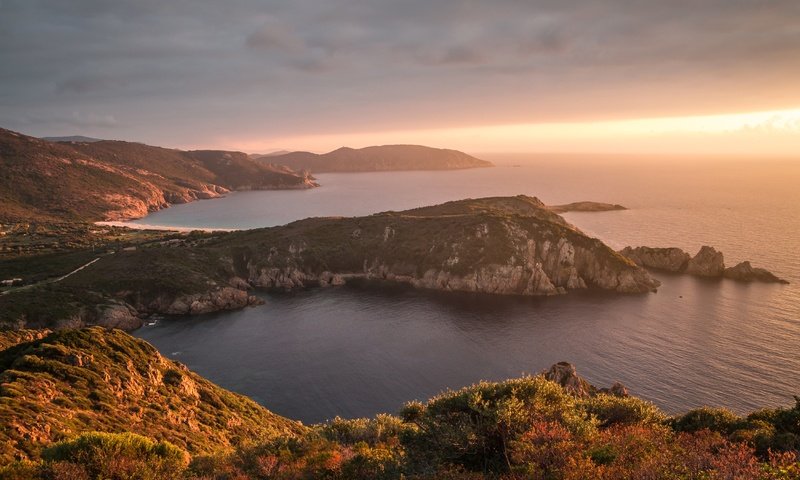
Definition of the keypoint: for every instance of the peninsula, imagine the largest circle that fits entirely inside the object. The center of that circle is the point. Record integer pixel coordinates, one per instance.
(376, 159)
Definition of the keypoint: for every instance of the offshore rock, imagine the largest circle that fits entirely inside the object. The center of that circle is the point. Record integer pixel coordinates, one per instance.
(666, 259)
(744, 272)
(707, 263)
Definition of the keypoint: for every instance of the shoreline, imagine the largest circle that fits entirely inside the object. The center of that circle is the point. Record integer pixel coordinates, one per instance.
(167, 228)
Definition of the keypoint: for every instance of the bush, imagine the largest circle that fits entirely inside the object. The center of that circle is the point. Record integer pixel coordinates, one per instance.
(715, 419)
(612, 410)
(474, 427)
(115, 456)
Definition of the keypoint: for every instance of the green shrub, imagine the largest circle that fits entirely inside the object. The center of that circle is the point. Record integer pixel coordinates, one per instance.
(474, 427)
(612, 410)
(715, 419)
(117, 456)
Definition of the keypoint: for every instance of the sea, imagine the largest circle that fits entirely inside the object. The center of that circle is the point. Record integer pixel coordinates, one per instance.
(367, 348)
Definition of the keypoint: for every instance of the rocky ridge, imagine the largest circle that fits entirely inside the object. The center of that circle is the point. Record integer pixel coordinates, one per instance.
(708, 263)
(377, 158)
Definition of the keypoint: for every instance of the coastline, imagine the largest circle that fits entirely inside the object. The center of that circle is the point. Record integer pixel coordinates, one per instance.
(168, 228)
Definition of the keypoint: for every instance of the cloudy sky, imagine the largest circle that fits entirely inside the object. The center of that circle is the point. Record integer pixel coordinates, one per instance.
(502, 75)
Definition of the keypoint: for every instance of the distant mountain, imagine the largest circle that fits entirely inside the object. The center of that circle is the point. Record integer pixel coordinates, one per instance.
(380, 158)
(256, 156)
(73, 138)
(113, 180)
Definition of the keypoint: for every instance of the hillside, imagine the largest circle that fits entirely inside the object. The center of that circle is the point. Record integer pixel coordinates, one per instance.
(111, 180)
(378, 158)
(500, 245)
(158, 420)
(70, 382)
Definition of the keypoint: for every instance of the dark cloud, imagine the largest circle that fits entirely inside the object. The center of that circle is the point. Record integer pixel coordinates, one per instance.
(179, 71)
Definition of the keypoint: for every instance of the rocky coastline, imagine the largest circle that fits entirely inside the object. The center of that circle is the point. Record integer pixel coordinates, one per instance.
(707, 263)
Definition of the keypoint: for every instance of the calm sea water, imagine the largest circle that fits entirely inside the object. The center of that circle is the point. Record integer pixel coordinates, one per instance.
(363, 349)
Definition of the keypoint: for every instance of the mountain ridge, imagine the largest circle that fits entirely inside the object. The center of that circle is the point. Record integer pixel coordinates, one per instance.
(116, 180)
(378, 158)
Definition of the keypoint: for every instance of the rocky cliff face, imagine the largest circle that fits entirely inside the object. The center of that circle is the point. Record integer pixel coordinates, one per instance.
(667, 259)
(511, 246)
(708, 262)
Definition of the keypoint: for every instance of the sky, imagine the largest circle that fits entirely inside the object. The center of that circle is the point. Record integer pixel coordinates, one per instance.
(627, 76)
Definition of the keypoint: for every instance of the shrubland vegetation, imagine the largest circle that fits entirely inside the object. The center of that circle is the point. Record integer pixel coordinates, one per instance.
(527, 428)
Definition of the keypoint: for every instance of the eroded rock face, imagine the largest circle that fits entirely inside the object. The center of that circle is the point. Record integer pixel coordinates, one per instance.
(118, 315)
(507, 246)
(667, 259)
(744, 272)
(707, 263)
(225, 298)
(565, 374)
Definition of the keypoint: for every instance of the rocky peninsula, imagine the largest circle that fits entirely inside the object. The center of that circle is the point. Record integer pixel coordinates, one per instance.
(499, 245)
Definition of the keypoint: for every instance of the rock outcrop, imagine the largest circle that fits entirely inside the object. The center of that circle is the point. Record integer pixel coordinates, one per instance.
(708, 263)
(565, 374)
(666, 259)
(744, 272)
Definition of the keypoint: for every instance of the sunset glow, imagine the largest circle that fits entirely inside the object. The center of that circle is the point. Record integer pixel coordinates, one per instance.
(775, 132)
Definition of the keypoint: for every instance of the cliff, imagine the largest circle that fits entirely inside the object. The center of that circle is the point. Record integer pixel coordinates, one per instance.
(58, 385)
(501, 245)
(378, 158)
(111, 180)
(707, 263)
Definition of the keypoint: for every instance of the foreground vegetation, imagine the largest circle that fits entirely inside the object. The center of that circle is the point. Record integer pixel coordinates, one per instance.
(97, 404)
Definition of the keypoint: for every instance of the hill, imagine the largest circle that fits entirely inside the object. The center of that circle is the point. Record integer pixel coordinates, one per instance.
(499, 245)
(69, 382)
(72, 138)
(112, 180)
(94, 403)
(378, 158)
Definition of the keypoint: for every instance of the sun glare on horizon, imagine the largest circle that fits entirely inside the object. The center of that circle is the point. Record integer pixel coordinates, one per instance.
(773, 132)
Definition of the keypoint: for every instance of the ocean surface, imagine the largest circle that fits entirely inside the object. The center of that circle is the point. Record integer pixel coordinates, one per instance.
(362, 349)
